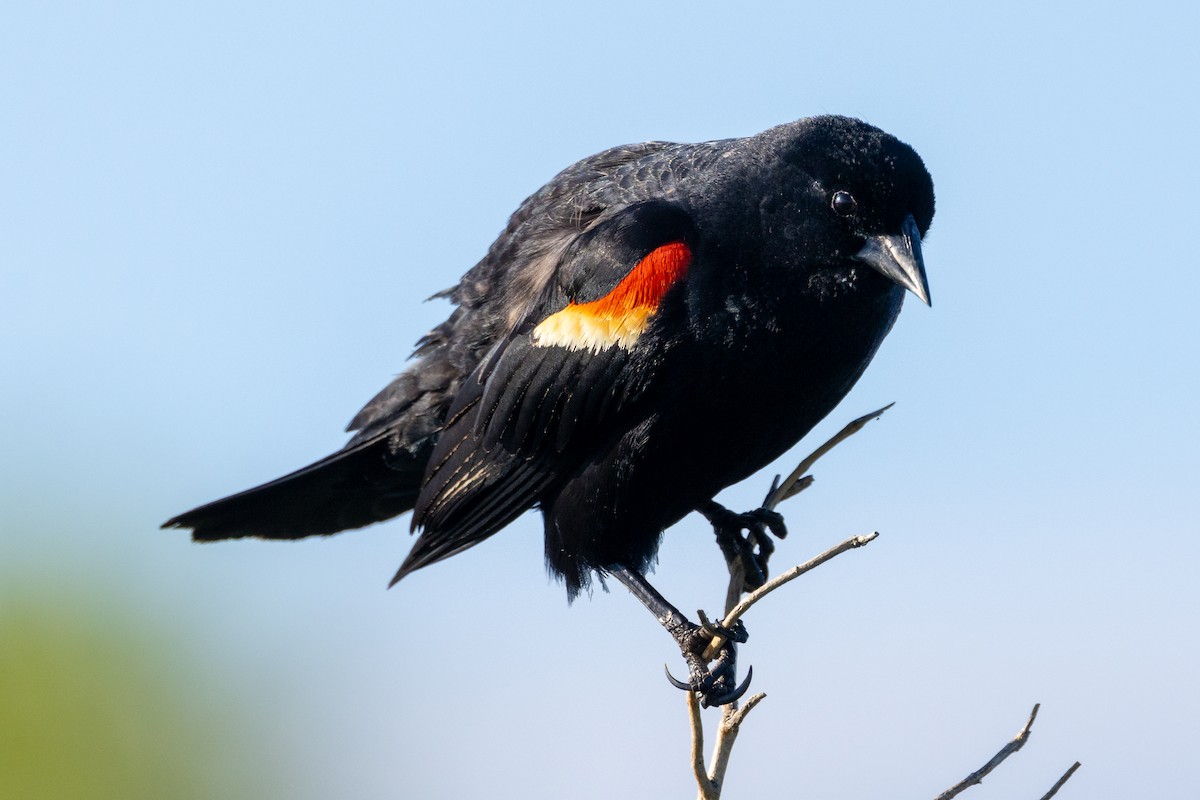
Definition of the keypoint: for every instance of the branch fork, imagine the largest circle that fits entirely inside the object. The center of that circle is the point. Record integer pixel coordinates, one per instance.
(711, 778)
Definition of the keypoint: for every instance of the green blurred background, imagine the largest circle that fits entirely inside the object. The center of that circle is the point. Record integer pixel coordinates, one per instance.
(97, 701)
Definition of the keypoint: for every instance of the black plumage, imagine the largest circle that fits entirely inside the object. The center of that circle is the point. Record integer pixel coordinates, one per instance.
(656, 323)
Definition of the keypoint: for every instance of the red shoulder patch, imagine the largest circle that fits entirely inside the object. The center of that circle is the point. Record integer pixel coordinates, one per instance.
(620, 316)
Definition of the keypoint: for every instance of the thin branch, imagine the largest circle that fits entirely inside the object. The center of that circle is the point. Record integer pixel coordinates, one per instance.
(793, 484)
(749, 600)
(711, 782)
(727, 732)
(1066, 775)
(796, 482)
(731, 715)
(708, 790)
(978, 775)
(737, 579)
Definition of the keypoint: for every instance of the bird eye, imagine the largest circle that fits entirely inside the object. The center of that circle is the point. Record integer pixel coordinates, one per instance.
(843, 203)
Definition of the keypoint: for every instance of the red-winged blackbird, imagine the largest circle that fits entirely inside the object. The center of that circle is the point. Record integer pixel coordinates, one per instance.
(656, 323)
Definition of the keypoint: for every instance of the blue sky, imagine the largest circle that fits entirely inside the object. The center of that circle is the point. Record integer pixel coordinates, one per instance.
(216, 226)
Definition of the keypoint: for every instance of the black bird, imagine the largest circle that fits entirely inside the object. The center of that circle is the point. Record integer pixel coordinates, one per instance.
(656, 323)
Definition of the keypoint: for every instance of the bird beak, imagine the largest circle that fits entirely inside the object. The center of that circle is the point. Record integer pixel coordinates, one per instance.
(898, 256)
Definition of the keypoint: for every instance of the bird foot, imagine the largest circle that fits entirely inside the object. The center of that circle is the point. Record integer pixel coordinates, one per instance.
(752, 549)
(715, 685)
(736, 634)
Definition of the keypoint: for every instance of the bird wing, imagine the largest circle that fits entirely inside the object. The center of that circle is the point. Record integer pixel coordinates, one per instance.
(526, 414)
(507, 284)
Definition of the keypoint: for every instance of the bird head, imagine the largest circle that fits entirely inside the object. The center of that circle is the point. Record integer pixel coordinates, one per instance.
(841, 192)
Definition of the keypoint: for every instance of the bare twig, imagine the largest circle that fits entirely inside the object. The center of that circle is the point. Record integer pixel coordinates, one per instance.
(749, 600)
(794, 483)
(711, 782)
(732, 716)
(708, 791)
(737, 579)
(731, 723)
(978, 775)
(1066, 775)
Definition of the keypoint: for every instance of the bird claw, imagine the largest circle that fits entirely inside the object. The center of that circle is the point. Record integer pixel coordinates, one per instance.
(714, 685)
(678, 684)
(737, 633)
(770, 518)
(707, 698)
(752, 550)
(730, 697)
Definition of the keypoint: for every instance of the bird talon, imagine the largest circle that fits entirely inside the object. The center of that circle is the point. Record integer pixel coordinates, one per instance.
(751, 549)
(770, 519)
(704, 687)
(678, 684)
(713, 680)
(729, 697)
(716, 630)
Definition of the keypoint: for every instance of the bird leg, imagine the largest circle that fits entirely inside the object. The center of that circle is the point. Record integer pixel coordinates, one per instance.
(716, 685)
(728, 528)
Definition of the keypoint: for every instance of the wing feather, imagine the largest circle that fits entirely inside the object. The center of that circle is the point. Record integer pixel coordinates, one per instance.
(527, 413)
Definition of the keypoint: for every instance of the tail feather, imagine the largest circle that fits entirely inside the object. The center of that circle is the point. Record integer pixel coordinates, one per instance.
(366, 482)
